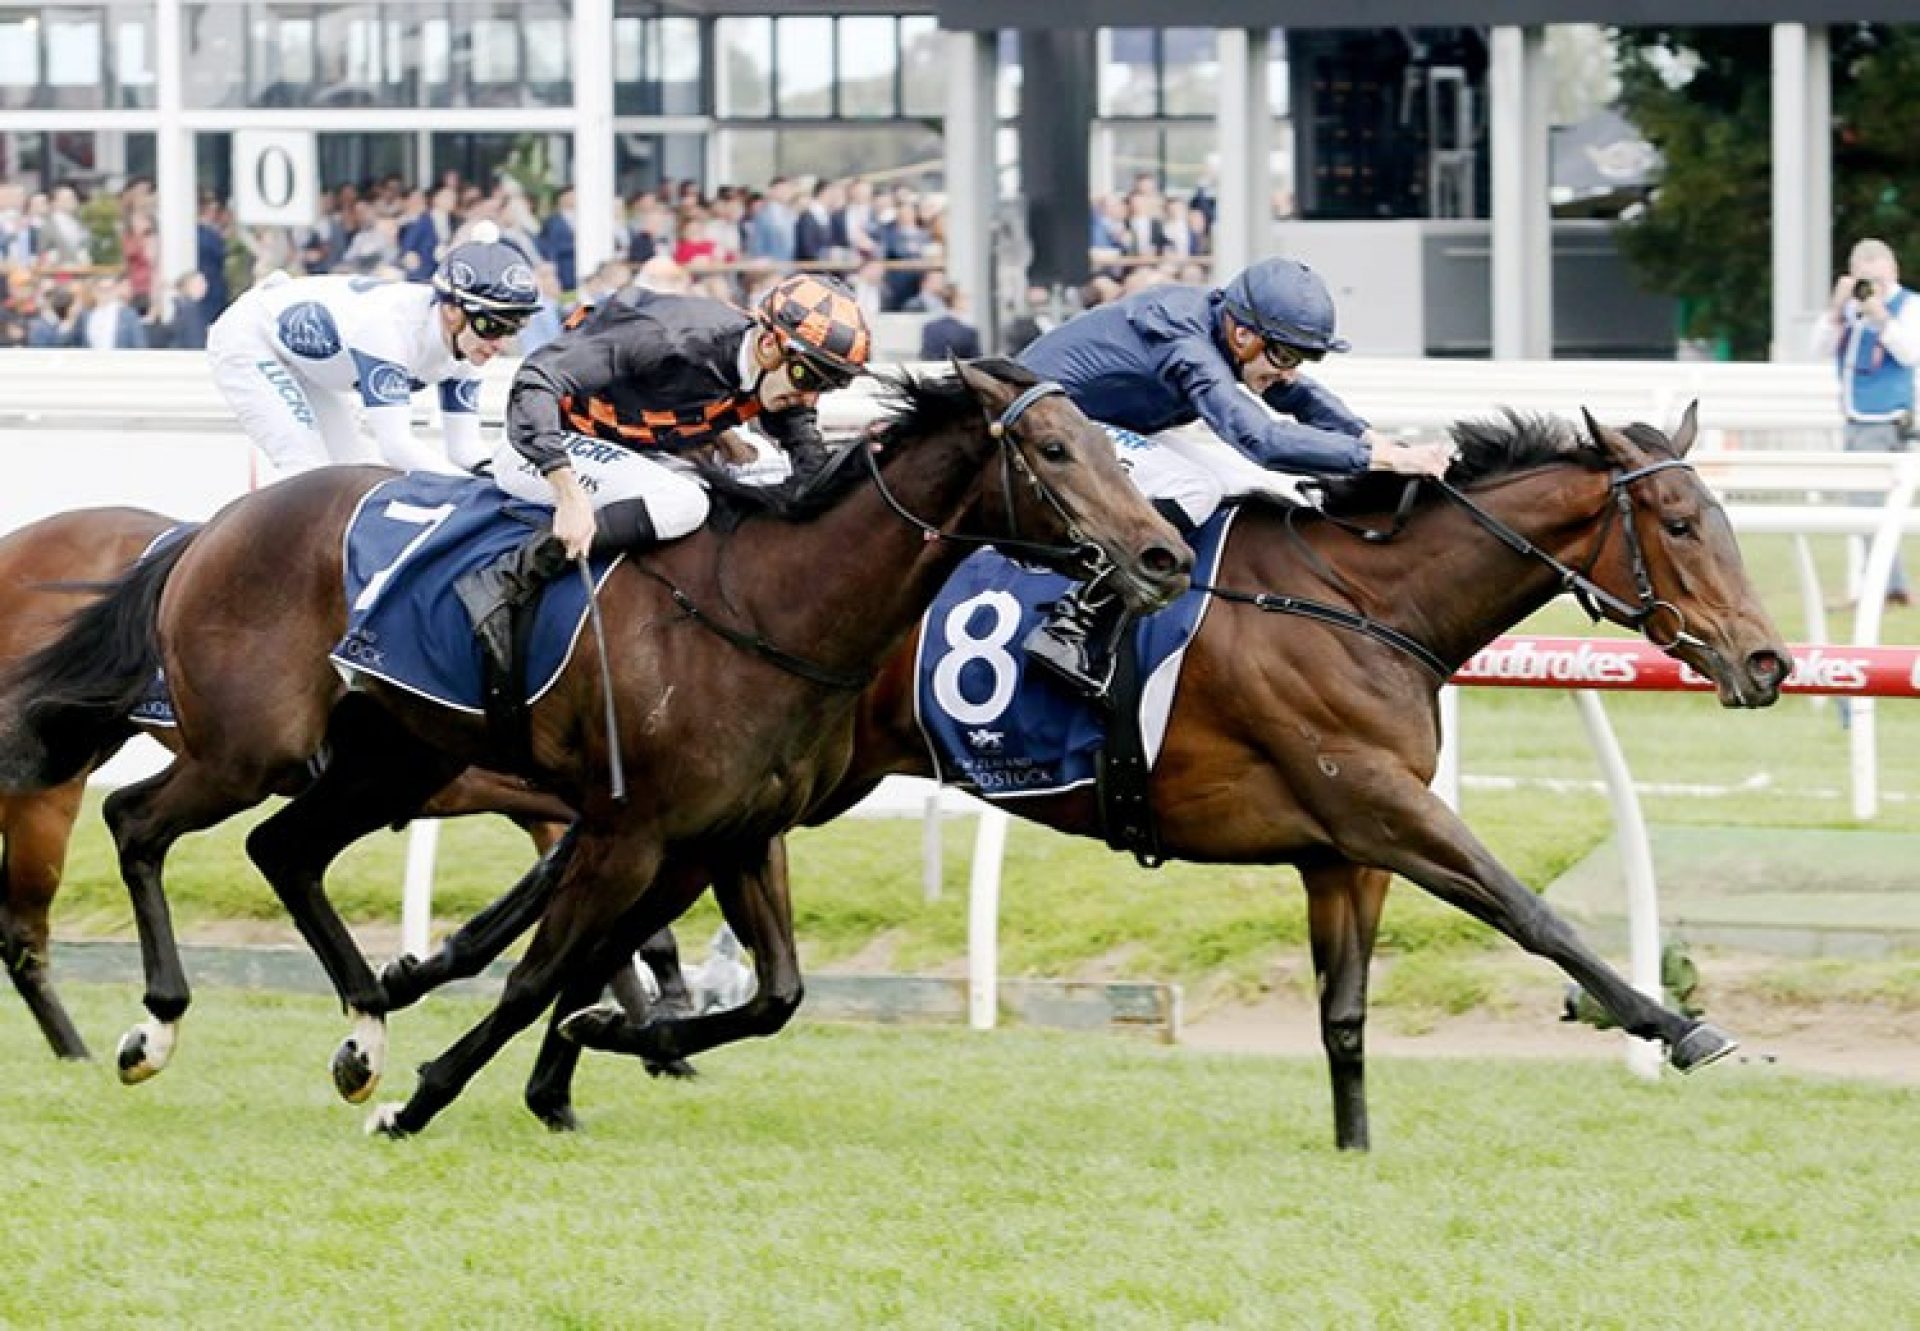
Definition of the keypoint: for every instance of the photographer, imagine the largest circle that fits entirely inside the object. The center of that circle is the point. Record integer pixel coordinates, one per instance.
(1872, 329)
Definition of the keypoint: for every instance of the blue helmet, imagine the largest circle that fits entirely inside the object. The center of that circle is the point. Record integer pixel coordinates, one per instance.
(485, 274)
(1286, 302)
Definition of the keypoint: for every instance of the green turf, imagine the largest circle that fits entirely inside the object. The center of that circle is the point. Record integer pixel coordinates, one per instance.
(841, 1178)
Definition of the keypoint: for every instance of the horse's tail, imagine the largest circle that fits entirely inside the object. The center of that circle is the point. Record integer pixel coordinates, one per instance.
(64, 709)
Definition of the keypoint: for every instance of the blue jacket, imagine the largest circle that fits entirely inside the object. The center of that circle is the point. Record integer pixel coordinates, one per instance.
(1155, 361)
(559, 248)
(1874, 386)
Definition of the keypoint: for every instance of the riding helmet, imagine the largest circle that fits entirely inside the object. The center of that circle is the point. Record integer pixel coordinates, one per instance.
(818, 319)
(1286, 302)
(486, 273)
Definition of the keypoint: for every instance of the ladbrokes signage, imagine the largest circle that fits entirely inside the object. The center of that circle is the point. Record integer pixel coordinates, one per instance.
(1625, 663)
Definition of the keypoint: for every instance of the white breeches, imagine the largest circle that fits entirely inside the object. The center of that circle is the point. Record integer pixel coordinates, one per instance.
(298, 426)
(1193, 469)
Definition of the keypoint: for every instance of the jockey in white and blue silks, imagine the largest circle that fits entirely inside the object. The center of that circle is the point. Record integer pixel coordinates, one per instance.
(293, 355)
(1170, 355)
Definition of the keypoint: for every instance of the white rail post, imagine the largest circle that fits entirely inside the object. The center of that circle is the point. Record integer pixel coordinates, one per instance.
(932, 862)
(1866, 633)
(983, 920)
(1446, 773)
(1636, 861)
(416, 897)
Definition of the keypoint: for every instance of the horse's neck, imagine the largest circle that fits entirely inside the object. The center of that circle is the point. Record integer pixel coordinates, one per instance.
(1455, 587)
(847, 584)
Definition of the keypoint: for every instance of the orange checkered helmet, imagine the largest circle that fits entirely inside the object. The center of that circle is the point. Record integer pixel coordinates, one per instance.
(817, 319)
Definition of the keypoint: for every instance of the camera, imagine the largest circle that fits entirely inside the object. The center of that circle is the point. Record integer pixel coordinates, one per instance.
(1863, 289)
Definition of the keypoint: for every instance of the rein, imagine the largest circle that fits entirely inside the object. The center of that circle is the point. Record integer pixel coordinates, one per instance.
(1596, 600)
(1000, 430)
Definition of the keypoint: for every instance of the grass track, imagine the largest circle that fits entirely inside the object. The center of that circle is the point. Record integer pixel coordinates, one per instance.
(843, 1178)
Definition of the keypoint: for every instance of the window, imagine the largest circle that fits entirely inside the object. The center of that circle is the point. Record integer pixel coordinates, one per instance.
(804, 48)
(1190, 72)
(1129, 72)
(74, 55)
(869, 64)
(923, 67)
(743, 67)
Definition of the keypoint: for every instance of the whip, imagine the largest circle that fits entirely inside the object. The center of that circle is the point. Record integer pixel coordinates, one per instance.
(617, 773)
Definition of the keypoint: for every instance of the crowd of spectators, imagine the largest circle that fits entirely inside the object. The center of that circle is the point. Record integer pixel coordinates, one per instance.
(82, 272)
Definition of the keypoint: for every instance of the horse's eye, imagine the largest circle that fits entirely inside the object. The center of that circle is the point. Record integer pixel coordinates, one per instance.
(1678, 526)
(1052, 450)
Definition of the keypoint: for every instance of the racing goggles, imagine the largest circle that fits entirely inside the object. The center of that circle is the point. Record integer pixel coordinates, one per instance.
(1283, 357)
(812, 376)
(492, 327)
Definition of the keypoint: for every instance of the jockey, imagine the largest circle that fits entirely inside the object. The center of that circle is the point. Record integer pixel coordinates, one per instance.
(1166, 356)
(597, 418)
(288, 353)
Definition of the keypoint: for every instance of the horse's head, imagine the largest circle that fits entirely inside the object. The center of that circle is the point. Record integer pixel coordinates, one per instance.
(1677, 564)
(1060, 484)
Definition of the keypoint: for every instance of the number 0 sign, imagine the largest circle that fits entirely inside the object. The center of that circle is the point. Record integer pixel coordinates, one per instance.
(275, 177)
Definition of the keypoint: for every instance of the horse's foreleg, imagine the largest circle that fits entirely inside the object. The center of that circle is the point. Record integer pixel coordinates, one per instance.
(1343, 910)
(477, 943)
(35, 828)
(753, 896)
(660, 954)
(1398, 824)
(376, 774)
(146, 818)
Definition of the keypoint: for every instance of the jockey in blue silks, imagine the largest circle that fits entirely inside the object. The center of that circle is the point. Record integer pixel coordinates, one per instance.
(1170, 355)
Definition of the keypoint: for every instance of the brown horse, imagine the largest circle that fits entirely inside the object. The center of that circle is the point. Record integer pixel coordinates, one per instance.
(1299, 741)
(737, 658)
(47, 568)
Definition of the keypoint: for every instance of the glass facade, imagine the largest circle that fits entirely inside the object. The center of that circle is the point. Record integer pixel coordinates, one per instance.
(76, 57)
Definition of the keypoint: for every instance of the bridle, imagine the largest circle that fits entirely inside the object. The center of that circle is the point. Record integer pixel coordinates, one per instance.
(1644, 616)
(1012, 461)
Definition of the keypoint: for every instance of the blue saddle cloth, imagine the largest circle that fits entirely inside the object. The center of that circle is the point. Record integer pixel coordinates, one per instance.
(1002, 731)
(409, 541)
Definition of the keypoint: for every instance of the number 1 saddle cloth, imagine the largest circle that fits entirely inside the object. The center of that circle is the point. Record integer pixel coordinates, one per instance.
(999, 730)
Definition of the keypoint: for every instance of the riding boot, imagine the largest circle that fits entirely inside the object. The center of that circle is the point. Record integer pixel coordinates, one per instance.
(1075, 643)
(500, 602)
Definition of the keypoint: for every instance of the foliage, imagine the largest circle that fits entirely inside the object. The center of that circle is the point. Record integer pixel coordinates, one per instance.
(839, 1177)
(1705, 236)
(100, 214)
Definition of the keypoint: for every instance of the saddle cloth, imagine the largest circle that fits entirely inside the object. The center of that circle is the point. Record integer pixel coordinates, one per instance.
(1001, 731)
(409, 540)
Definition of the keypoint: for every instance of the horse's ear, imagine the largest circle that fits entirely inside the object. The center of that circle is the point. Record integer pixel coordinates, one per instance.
(1622, 450)
(993, 394)
(1689, 430)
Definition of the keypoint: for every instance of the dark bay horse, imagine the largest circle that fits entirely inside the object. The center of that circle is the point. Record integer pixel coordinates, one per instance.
(737, 658)
(1297, 742)
(47, 571)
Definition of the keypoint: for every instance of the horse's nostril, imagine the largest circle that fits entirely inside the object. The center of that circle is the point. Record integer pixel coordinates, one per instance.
(1767, 667)
(1160, 561)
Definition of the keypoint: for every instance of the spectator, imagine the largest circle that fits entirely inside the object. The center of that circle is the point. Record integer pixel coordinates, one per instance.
(17, 227)
(374, 250)
(1035, 318)
(1872, 329)
(544, 325)
(869, 288)
(1178, 237)
(950, 333)
(931, 298)
(857, 221)
(53, 324)
(427, 238)
(905, 240)
(771, 232)
(210, 254)
(558, 244)
(643, 239)
(187, 329)
(63, 236)
(138, 244)
(112, 324)
(813, 230)
(1145, 235)
(1099, 290)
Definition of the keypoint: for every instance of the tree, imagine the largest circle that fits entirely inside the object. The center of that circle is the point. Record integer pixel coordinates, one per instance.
(1702, 96)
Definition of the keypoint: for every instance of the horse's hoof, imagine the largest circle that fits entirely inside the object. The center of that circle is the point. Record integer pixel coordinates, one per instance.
(677, 1069)
(558, 1118)
(353, 1073)
(384, 1121)
(593, 1027)
(143, 1052)
(1703, 1043)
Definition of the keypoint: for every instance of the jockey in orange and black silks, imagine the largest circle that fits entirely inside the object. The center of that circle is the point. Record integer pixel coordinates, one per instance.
(597, 417)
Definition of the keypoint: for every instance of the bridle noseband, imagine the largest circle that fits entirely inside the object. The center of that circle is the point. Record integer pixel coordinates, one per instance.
(1001, 430)
(1597, 601)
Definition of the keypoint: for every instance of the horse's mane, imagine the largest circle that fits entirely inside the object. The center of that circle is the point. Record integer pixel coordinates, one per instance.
(917, 407)
(1490, 447)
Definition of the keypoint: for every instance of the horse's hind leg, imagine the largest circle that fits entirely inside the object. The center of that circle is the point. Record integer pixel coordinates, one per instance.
(753, 896)
(146, 818)
(1401, 825)
(376, 775)
(1343, 910)
(35, 828)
